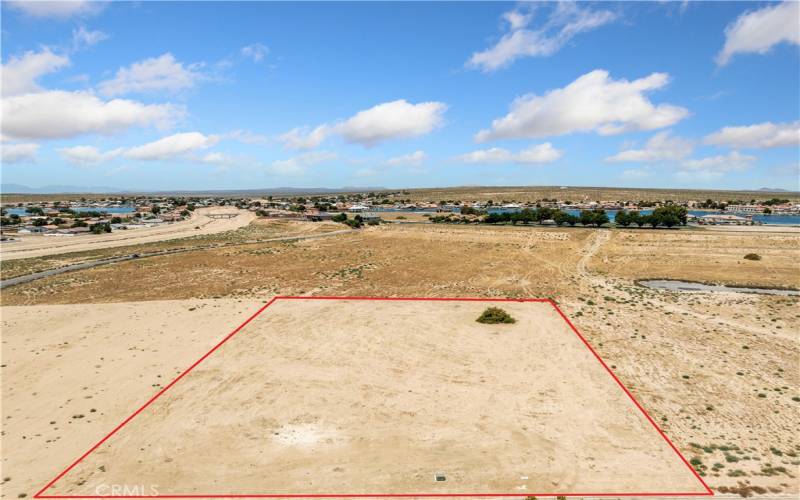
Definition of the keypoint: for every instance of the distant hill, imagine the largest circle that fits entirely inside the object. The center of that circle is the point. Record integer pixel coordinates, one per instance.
(774, 190)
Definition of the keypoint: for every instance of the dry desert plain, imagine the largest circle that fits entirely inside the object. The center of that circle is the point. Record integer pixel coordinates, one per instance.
(718, 372)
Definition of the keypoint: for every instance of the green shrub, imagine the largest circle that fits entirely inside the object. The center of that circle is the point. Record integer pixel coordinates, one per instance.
(494, 315)
(752, 256)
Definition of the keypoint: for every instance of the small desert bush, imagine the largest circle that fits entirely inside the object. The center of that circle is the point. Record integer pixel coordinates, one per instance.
(494, 315)
(752, 256)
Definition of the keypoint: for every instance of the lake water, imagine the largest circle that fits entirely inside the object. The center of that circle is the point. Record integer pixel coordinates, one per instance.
(110, 210)
(688, 286)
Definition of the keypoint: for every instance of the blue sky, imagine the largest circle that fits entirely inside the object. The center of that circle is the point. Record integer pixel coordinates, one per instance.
(206, 95)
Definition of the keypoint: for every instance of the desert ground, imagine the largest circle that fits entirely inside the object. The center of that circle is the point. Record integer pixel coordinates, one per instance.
(718, 372)
(199, 224)
(353, 396)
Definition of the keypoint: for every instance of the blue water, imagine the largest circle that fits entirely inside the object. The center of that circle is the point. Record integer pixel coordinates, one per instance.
(764, 219)
(112, 210)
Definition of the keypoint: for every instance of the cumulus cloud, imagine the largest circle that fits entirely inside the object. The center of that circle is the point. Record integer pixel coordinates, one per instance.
(593, 102)
(714, 167)
(171, 146)
(298, 165)
(216, 158)
(20, 73)
(82, 37)
(389, 120)
(761, 135)
(661, 147)
(760, 30)
(413, 159)
(392, 120)
(256, 51)
(87, 155)
(304, 137)
(157, 74)
(60, 114)
(61, 9)
(540, 153)
(18, 153)
(566, 20)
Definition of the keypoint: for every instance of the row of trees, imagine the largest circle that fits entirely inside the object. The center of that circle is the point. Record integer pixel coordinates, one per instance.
(560, 217)
(669, 216)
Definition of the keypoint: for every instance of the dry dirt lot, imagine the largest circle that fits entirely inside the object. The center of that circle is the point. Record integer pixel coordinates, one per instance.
(713, 256)
(719, 372)
(353, 396)
(71, 373)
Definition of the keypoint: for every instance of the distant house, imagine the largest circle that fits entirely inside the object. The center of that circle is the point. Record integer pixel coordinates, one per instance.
(319, 216)
(370, 217)
(32, 230)
(72, 231)
(725, 219)
(744, 209)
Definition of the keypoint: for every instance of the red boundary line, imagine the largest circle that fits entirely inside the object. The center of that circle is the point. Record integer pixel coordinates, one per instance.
(708, 492)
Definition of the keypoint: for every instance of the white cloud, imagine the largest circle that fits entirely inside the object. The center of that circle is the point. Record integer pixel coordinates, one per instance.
(87, 155)
(82, 37)
(256, 51)
(416, 158)
(171, 146)
(61, 9)
(593, 102)
(661, 147)
(540, 153)
(157, 74)
(177, 145)
(758, 31)
(61, 114)
(245, 137)
(732, 162)
(761, 135)
(392, 120)
(389, 120)
(19, 74)
(216, 158)
(298, 165)
(517, 19)
(304, 137)
(18, 153)
(567, 20)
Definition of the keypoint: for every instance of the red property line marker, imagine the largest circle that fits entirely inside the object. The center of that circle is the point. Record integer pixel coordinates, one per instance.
(708, 492)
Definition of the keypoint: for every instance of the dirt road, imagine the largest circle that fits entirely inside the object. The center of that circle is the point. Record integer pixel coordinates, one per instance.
(198, 224)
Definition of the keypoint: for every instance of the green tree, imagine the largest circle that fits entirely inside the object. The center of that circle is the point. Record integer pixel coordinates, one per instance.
(622, 218)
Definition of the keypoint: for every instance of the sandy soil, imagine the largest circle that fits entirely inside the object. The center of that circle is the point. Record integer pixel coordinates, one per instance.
(377, 397)
(72, 373)
(718, 371)
(198, 224)
(703, 256)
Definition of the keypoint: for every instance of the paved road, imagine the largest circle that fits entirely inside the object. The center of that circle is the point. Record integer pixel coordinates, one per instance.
(102, 262)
